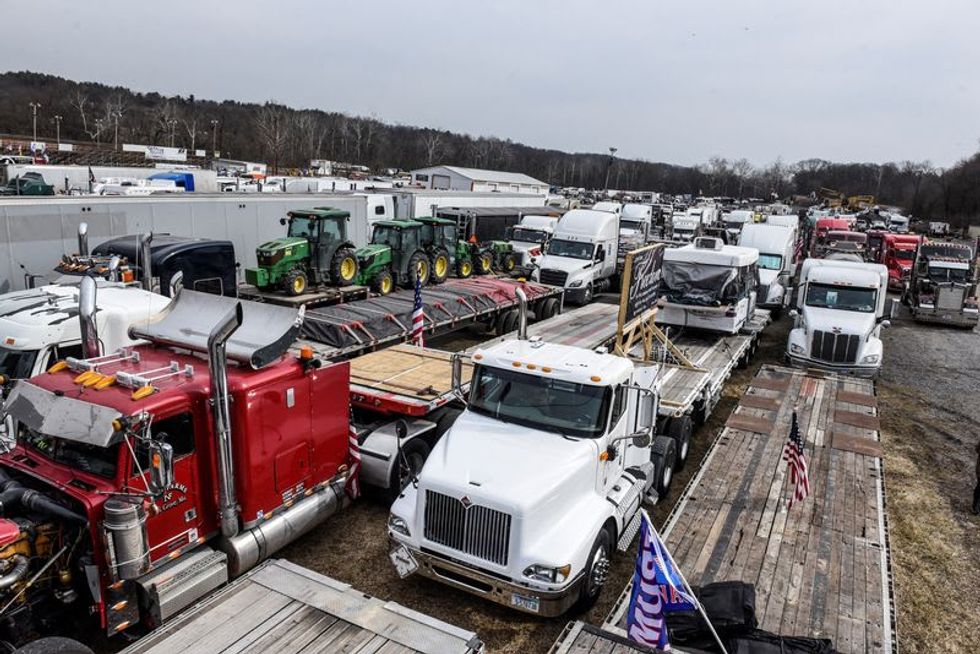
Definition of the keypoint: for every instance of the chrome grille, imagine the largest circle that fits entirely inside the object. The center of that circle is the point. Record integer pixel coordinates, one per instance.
(470, 528)
(834, 348)
(554, 277)
(948, 298)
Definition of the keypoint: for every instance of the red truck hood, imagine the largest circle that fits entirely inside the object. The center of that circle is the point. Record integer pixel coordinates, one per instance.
(90, 491)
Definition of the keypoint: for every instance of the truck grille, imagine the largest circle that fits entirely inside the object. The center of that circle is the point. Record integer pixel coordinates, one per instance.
(554, 277)
(470, 528)
(835, 348)
(950, 298)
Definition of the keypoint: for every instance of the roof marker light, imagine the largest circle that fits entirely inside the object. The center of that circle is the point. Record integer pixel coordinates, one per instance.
(142, 391)
(58, 366)
(596, 378)
(516, 364)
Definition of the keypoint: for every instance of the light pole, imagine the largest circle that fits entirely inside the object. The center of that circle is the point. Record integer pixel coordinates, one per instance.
(173, 131)
(115, 139)
(612, 153)
(214, 136)
(57, 128)
(34, 107)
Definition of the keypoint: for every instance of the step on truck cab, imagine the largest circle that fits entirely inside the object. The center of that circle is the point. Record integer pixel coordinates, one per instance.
(709, 285)
(524, 499)
(144, 478)
(943, 285)
(841, 308)
(581, 256)
(776, 247)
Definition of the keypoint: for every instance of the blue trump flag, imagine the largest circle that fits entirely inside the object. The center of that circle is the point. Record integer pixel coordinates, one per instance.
(658, 588)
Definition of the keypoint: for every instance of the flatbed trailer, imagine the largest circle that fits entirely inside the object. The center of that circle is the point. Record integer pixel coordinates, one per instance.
(319, 297)
(582, 638)
(284, 608)
(821, 569)
(346, 330)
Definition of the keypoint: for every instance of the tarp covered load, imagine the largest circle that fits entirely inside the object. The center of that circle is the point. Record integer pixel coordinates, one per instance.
(699, 284)
(364, 322)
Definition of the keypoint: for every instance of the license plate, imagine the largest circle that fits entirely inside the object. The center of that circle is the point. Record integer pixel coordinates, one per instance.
(532, 604)
(405, 564)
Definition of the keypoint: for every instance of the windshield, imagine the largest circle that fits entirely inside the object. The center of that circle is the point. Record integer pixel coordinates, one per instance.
(942, 274)
(631, 224)
(552, 405)
(770, 261)
(384, 235)
(527, 235)
(100, 461)
(17, 364)
(905, 255)
(573, 249)
(302, 227)
(844, 298)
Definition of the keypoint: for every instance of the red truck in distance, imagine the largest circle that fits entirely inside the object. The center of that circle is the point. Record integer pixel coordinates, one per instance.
(897, 253)
(144, 479)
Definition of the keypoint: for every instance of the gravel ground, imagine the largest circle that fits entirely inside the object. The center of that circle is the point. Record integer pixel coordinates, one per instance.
(352, 546)
(927, 398)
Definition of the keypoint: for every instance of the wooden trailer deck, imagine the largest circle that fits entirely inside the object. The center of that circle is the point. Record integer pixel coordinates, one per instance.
(281, 607)
(582, 638)
(822, 569)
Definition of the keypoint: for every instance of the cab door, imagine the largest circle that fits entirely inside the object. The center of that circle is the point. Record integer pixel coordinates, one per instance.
(177, 521)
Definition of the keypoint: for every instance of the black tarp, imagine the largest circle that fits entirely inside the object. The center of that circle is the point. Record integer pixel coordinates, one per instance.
(699, 284)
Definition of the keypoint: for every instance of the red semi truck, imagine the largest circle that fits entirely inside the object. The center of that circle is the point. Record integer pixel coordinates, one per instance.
(897, 253)
(144, 479)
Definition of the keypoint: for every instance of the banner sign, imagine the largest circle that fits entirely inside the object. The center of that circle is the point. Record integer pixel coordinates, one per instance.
(640, 284)
(168, 154)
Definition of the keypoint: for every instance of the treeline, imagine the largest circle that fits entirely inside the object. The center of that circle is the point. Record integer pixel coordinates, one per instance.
(289, 138)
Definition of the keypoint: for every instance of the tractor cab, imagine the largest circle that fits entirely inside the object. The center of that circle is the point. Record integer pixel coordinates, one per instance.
(316, 250)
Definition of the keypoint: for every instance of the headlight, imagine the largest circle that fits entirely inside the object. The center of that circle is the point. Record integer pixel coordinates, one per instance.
(575, 284)
(398, 525)
(547, 573)
(796, 349)
(871, 358)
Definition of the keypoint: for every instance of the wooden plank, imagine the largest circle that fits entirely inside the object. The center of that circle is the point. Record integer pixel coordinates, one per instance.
(780, 383)
(855, 419)
(757, 401)
(856, 444)
(750, 423)
(864, 399)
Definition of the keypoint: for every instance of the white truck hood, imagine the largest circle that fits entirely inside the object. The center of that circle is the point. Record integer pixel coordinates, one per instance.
(843, 322)
(522, 471)
(565, 264)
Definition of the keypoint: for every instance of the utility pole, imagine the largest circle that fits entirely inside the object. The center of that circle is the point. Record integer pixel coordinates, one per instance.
(173, 131)
(115, 139)
(34, 107)
(57, 128)
(214, 137)
(612, 153)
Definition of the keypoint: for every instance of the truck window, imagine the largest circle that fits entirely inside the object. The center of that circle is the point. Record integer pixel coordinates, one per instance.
(379, 210)
(551, 405)
(619, 405)
(17, 364)
(99, 461)
(842, 298)
(302, 227)
(385, 235)
(526, 235)
(572, 249)
(213, 285)
(331, 230)
(177, 431)
(770, 261)
(940, 274)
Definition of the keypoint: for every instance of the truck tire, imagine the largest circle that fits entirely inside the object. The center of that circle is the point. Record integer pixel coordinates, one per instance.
(589, 294)
(507, 322)
(509, 262)
(549, 309)
(484, 263)
(464, 268)
(440, 266)
(596, 572)
(296, 282)
(418, 259)
(664, 456)
(343, 267)
(383, 283)
(415, 452)
(53, 645)
(680, 430)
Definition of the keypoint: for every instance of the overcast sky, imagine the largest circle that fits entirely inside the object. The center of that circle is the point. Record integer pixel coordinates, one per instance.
(666, 80)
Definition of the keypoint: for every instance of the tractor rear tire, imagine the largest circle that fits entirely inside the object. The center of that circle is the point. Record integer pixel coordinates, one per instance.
(440, 266)
(419, 259)
(343, 267)
(296, 282)
(484, 263)
(464, 268)
(509, 262)
(383, 283)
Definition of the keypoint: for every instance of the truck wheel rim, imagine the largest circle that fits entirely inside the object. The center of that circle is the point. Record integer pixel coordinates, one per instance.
(600, 570)
(668, 473)
(347, 268)
(441, 266)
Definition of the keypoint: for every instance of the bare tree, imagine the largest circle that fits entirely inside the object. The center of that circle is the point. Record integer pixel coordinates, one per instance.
(97, 126)
(433, 145)
(742, 169)
(272, 126)
(190, 126)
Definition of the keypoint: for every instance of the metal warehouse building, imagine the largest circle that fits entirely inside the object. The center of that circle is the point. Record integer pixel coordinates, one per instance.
(473, 179)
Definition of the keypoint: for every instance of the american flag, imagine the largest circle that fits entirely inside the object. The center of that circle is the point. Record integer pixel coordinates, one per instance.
(353, 484)
(418, 318)
(796, 461)
(798, 250)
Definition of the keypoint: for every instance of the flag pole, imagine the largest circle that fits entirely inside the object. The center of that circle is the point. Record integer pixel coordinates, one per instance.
(687, 586)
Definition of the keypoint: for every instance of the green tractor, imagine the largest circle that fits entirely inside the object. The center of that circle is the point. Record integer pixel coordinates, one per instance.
(440, 237)
(488, 255)
(316, 250)
(396, 255)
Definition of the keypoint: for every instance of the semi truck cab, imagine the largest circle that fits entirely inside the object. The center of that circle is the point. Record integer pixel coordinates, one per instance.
(581, 256)
(525, 498)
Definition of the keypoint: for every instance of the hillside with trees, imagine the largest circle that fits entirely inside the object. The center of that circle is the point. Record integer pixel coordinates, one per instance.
(289, 138)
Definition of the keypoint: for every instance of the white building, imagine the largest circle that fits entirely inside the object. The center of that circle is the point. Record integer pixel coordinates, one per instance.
(454, 178)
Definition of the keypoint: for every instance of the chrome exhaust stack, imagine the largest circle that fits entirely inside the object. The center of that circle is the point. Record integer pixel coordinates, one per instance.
(83, 239)
(221, 413)
(522, 313)
(145, 254)
(87, 293)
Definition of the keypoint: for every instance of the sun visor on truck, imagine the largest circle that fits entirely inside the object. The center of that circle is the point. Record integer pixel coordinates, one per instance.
(266, 333)
(61, 416)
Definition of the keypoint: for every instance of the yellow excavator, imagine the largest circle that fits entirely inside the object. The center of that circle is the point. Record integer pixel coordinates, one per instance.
(837, 200)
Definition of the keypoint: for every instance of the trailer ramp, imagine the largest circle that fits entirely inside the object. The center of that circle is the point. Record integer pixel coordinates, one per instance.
(821, 569)
(281, 607)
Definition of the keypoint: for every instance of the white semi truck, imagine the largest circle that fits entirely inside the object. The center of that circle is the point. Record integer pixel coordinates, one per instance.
(530, 237)
(841, 309)
(776, 247)
(581, 255)
(542, 476)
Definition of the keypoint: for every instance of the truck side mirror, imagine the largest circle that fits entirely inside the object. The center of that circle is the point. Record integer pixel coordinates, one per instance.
(793, 313)
(161, 466)
(641, 439)
(282, 221)
(457, 376)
